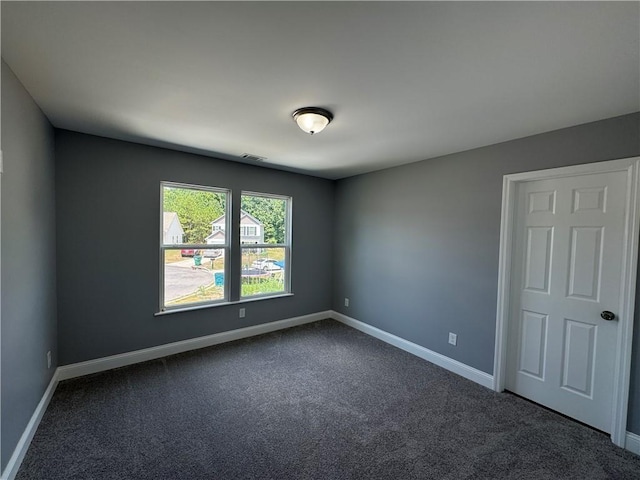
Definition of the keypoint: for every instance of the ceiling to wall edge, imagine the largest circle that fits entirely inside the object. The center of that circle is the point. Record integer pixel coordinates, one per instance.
(265, 163)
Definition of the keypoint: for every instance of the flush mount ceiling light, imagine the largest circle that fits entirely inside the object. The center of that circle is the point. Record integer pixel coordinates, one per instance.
(312, 119)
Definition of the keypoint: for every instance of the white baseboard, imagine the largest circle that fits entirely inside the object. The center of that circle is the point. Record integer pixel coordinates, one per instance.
(137, 356)
(447, 363)
(129, 358)
(20, 451)
(632, 443)
(93, 366)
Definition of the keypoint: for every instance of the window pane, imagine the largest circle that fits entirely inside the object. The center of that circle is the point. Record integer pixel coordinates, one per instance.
(192, 276)
(263, 271)
(262, 220)
(192, 216)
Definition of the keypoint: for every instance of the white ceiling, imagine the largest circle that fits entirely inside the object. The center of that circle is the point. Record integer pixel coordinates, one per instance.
(405, 81)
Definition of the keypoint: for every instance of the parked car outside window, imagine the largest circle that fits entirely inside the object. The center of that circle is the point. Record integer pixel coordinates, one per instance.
(268, 264)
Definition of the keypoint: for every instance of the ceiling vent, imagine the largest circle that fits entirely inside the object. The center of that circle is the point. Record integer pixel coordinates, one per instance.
(252, 158)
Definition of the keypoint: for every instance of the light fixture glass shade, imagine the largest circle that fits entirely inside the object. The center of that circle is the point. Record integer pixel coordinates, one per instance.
(311, 119)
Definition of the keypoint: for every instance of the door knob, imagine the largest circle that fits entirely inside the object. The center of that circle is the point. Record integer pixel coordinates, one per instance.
(607, 315)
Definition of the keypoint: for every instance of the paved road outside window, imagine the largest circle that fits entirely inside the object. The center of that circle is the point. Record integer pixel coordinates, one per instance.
(182, 279)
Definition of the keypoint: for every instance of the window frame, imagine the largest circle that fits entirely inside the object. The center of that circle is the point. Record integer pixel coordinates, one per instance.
(196, 246)
(288, 233)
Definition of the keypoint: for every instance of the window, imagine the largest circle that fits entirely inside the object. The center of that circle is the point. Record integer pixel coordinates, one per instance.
(196, 246)
(192, 272)
(265, 264)
(248, 231)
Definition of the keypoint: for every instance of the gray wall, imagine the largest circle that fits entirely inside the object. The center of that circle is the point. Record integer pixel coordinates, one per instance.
(416, 246)
(107, 202)
(28, 259)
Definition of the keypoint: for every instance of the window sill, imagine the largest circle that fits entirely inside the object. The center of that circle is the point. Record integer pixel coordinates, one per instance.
(221, 304)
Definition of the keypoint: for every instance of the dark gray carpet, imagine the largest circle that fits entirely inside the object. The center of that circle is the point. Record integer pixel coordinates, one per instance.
(321, 401)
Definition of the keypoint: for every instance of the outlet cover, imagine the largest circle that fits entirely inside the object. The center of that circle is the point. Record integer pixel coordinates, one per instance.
(242, 313)
(346, 302)
(453, 338)
(49, 359)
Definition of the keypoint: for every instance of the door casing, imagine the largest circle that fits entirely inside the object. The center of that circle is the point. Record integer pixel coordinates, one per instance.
(622, 371)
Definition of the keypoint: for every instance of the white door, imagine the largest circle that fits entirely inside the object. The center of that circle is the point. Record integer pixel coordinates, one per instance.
(567, 269)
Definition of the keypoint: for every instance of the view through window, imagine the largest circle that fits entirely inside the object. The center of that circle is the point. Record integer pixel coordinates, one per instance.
(194, 253)
(195, 245)
(265, 240)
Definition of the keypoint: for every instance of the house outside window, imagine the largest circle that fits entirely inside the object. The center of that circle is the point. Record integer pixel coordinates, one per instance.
(250, 229)
(172, 231)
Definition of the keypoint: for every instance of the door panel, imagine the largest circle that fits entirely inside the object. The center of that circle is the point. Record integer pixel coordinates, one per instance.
(585, 199)
(533, 343)
(566, 269)
(539, 241)
(578, 357)
(542, 202)
(585, 260)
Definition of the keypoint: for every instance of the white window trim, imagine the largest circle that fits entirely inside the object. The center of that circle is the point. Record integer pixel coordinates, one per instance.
(196, 246)
(197, 306)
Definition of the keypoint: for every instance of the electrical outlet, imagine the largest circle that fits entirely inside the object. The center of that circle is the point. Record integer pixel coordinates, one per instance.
(453, 339)
(49, 359)
(346, 302)
(242, 313)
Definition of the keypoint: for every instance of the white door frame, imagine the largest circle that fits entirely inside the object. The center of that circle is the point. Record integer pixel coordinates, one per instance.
(622, 370)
